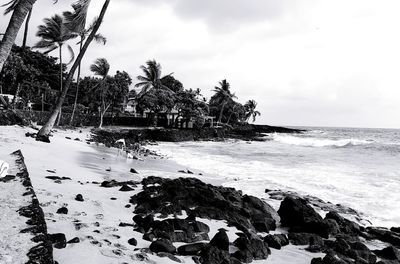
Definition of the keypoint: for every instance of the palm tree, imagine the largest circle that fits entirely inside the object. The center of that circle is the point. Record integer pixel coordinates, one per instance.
(54, 34)
(250, 107)
(20, 9)
(224, 94)
(76, 22)
(101, 67)
(151, 79)
(46, 129)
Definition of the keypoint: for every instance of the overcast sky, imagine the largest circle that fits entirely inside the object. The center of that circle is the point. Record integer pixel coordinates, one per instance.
(309, 62)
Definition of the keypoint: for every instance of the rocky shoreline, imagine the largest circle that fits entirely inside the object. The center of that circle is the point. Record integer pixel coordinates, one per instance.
(160, 206)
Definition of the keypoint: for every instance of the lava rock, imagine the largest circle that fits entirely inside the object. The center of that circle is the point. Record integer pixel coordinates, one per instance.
(212, 255)
(74, 240)
(79, 198)
(133, 171)
(390, 253)
(132, 242)
(301, 217)
(62, 210)
(126, 188)
(191, 249)
(276, 241)
(220, 240)
(301, 239)
(59, 241)
(162, 245)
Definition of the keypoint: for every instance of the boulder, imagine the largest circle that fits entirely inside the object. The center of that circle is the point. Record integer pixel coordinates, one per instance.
(62, 210)
(220, 240)
(58, 240)
(213, 255)
(191, 249)
(132, 242)
(389, 253)
(296, 214)
(276, 241)
(79, 198)
(301, 239)
(162, 245)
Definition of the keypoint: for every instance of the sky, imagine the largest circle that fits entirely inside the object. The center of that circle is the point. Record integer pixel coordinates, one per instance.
(306, 63)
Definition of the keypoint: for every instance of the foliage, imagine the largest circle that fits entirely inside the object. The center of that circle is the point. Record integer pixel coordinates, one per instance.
(34, 73)
(250, 108)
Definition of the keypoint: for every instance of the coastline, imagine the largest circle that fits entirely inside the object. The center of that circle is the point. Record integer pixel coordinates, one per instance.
(87, 165)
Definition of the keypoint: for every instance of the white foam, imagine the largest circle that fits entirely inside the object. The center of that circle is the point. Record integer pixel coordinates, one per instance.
(318, 142)
(4, 166)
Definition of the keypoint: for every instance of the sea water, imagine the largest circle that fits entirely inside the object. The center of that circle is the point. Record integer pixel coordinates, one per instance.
(359, 168)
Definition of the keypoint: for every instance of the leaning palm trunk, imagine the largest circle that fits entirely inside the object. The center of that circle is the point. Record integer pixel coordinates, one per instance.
(77, 88)
(221, 113)
(28, 19)
(61, 82)
(16, 21)
(46, 129)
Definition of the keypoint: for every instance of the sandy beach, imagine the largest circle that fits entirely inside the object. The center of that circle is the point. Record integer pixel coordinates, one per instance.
(96, 220)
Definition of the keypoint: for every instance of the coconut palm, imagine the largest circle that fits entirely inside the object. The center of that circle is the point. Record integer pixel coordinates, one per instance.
(250, 107)
(151, 79)
(46, 129)
(101, 67)
(224, 94)
(76, 22)
(19, 9)
(54, 34)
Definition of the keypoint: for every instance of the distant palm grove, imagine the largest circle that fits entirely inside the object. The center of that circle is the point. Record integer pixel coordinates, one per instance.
(32, 80)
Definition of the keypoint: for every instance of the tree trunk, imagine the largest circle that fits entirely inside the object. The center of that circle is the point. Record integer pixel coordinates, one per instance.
(28, 18)
(16, 21)
(222, 111)
(61, 82)
(45, 130)
(77, 88)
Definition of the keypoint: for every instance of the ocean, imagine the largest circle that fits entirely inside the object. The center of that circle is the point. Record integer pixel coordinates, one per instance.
(358, 168)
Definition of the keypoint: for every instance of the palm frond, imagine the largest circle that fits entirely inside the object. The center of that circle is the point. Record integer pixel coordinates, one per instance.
(72, 54)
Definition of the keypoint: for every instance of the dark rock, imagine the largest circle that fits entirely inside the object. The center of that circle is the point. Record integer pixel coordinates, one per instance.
(395, 229)
(74, 240)
(7, 178)
(128, 206)
(62, 210)
(276, 241)
(126, 188)
(345, 226)
(301, 217)
(162, 245)
(132, 242)
(220, 240)
(301, 239)
(113, 198)
(316, 244)
(79, 198)
(191, 249)
(390, 253)
(213, 255)
(250, 247)
(125, 224)
(133, 171)
(171, 196)
(59, 241)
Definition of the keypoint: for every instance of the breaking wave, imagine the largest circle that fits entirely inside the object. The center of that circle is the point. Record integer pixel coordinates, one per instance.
(319, 142)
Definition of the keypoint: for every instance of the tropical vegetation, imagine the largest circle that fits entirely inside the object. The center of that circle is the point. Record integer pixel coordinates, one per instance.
(48, 83)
